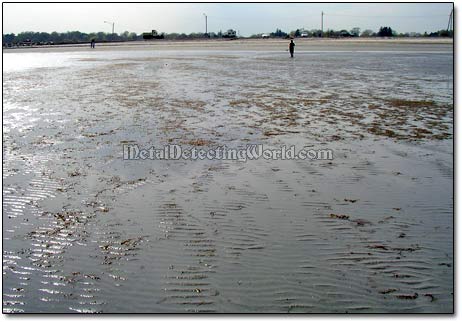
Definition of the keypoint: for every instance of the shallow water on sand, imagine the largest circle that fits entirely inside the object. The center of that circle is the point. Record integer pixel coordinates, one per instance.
(85, 231)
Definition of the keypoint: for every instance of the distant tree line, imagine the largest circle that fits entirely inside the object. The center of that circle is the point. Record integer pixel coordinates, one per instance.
(69, 37)
(386, 32)
(194, 35)
(72, 37)
(355, 32)
(278, 33)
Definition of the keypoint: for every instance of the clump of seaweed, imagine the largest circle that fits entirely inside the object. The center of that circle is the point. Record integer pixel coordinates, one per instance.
(336, 216)
(197, 142)
(395, 102)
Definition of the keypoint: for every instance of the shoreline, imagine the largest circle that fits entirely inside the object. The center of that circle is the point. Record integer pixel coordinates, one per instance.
(255, 44)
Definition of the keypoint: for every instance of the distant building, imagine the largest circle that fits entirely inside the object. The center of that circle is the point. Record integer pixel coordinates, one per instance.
(229, 34)
(152, 35)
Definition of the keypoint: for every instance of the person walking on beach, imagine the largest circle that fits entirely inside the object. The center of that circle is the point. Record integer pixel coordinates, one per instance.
(291, 48)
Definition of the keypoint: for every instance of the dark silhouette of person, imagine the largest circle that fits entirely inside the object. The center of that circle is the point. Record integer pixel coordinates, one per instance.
(92, 45)
(291, 48)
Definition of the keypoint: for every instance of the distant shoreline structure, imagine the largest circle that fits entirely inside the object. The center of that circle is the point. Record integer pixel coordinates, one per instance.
(31, 38)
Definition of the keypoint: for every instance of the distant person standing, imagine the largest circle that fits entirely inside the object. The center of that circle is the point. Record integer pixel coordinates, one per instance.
(92, 45)
(291, 48)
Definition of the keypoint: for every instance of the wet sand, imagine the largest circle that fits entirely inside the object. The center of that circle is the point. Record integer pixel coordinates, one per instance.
(369, 231)
(302, 44)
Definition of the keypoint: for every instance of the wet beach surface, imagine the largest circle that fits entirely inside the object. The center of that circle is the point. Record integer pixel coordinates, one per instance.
(369, 231)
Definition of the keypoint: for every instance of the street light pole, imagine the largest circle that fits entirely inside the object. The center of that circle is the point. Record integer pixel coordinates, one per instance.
(205, 23)
(450, 20)
(111, 23)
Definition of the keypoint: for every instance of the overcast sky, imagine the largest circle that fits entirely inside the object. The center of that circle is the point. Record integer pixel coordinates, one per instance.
(246, 18)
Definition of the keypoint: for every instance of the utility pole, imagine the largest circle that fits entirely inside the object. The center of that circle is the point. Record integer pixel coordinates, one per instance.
(450, 20)
(322, 23)
(206, 33)
(111, 23)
